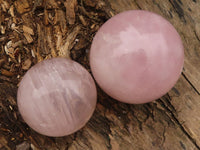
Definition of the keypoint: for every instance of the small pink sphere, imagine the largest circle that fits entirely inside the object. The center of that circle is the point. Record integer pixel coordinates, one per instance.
(57, 97)
(136, 56)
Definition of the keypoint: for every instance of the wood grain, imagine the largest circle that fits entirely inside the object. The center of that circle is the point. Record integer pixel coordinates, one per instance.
(172, 122)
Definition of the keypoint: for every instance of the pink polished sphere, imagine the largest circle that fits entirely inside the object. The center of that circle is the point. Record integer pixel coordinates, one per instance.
(57, 97)
(136, 56)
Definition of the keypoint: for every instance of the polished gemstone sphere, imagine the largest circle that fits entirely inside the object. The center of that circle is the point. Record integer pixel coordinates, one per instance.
(136, 56)
(57, 97)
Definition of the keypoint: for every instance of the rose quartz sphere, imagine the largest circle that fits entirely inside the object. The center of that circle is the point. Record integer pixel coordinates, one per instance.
(57, 97)
(136, 56)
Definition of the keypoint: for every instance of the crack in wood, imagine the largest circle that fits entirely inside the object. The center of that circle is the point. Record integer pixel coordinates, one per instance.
(137, 4)
(182, 145)
(197, 36)
(178, 9)
(175, 119)
(167, 100)
(195, 89)
(104, 125)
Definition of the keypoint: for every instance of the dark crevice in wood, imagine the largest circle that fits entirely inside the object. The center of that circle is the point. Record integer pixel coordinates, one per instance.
(179, 124)
(195, 89)
(178, 9)
(182, 145)
(137, 4)
(180, 2)
(167, 100)
(195, 33)
(113, 122)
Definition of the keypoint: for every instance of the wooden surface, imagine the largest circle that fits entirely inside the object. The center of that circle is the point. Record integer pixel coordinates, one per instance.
(31, 31)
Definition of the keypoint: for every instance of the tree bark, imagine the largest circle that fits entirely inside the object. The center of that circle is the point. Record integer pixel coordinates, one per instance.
(171, 122)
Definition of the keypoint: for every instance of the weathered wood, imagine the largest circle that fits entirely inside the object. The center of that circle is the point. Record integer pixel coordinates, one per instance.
(61, 28)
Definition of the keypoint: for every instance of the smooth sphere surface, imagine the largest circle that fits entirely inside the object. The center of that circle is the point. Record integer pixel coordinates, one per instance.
(136, 56)
(56, 97)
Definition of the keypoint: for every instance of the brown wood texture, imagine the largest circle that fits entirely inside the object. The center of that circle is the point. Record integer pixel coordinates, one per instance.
(31, 31)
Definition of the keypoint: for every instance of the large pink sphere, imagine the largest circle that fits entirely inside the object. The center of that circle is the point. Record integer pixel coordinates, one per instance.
(136, 56)
(56, 97)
